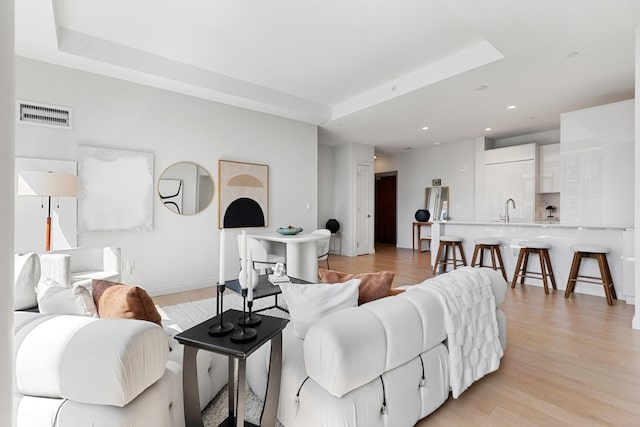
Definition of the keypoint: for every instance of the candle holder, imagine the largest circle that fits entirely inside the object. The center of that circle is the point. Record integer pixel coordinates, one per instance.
(221, 328)
(251, 319)
(245, 334)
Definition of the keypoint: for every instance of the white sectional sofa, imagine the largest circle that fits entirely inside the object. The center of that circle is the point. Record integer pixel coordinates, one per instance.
(85, 371)
(389, 362)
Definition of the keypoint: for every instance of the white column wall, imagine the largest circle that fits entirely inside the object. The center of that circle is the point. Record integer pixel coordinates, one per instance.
(636, 215)
(453, 163)
(6, 213)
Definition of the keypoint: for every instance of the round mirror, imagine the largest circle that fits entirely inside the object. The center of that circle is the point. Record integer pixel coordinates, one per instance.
(185, 188)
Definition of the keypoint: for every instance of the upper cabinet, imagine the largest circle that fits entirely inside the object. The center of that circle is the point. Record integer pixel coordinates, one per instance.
(549, 168)
(597, 158)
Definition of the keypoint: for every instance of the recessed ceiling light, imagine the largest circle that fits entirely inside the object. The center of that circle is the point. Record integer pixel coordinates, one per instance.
(436, 143)
(482, 87)
(532, 117)
(511, 107)
(407, 148)
(425, 128)
(571, 54)
(488, 129)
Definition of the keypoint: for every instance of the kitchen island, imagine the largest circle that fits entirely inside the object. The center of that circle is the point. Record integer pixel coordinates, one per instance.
(561, 236)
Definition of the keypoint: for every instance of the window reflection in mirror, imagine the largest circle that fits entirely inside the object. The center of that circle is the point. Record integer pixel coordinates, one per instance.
(185, 188)
(437, 202)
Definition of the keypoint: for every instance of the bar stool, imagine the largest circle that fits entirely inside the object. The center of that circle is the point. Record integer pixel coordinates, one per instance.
(540, 248)
(599, 253)
(493, 246)
(447, 242)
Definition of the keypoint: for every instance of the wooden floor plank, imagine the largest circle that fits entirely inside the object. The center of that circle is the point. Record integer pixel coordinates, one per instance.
(568, 362)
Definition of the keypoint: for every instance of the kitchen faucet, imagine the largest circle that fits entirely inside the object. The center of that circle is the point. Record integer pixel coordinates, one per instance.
(506, 209)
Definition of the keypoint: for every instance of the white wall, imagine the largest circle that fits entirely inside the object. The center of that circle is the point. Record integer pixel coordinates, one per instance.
(6, 213)
(337, 166)
(325, 184)
(453, 163)
(636, 216)
(182, 251)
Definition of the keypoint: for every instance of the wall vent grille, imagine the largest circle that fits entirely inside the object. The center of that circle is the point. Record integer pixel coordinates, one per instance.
(34, 113)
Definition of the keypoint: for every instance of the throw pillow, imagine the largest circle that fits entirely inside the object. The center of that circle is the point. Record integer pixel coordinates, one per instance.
(54, 298)
(393, 292)
(116, 300)
(309, 303)
(373, 286)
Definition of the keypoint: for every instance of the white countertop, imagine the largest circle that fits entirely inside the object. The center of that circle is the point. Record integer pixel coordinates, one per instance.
(542, 224)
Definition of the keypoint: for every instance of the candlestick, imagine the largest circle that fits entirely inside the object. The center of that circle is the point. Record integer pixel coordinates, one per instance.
(250, 274)
(222, 257)
(221, 328)
(244, 334)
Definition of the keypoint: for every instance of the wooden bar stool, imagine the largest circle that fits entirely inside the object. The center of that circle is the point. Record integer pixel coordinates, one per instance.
(447, 242)
(599, 253)
(493, 246)
(540, 248)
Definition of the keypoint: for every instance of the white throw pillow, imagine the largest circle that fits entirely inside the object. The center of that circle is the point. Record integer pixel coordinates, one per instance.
(53, 298)
(309, 303)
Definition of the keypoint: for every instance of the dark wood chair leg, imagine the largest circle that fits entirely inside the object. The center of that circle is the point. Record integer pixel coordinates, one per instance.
(437, 263)
(525, 264)
(543, 270)
(518, 268)
(464, 261)
(499, 254)
(573, 274)
(549, 268)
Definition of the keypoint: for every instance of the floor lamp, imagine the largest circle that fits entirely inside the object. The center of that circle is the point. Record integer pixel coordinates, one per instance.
(47, 184)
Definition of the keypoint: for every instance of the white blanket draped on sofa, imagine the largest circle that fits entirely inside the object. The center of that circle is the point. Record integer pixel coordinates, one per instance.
(471, 325)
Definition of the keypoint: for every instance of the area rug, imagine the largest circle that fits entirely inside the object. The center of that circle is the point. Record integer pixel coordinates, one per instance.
(190, 314)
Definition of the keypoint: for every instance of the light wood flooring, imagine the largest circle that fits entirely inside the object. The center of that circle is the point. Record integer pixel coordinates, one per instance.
(568, 362)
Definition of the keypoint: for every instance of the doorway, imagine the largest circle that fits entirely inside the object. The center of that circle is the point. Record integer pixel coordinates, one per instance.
(386, 208)
(364, 206)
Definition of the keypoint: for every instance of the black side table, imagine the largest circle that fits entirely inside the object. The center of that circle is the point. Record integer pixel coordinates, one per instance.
(198, 338)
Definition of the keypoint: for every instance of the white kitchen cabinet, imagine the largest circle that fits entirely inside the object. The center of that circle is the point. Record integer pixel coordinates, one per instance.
(549, 168)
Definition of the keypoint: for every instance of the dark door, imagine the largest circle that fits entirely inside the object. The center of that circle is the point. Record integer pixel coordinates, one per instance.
(385, 214)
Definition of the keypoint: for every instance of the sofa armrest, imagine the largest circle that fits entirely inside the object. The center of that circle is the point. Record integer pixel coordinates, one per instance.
(89, 360)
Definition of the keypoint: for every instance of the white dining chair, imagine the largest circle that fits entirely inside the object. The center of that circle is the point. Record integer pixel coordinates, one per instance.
(262, 259)
(323, 245)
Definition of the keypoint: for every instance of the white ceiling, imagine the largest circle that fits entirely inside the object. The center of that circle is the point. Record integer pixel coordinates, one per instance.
(368, 71)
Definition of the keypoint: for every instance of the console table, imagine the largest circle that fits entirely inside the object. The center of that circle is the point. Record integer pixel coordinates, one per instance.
(418, 225)
(198, 337)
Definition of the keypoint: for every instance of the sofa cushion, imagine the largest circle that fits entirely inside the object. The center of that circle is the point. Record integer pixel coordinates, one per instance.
(310, 303)
(89, 360)
(26, 276)
(373, 286)
(115, 300)
(53, 298)
(347, 349)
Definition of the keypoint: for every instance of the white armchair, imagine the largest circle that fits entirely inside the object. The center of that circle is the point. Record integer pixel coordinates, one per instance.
(323, 245)
(82, 265)
(260, 254)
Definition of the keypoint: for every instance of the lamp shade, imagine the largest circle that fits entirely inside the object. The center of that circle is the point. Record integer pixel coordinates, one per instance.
(38, 183)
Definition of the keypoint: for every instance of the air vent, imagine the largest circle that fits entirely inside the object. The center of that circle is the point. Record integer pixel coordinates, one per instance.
(44, 115)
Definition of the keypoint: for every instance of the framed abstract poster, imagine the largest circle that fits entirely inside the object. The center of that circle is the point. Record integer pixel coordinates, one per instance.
(243, 194)
(115, 190)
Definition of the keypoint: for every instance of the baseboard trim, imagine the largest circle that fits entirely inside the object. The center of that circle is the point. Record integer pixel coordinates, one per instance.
(181, 287)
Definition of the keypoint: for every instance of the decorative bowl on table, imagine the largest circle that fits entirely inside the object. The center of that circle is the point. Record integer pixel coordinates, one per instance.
(289, 231)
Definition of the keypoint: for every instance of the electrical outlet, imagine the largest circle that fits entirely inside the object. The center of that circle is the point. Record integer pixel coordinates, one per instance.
(130, 265)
